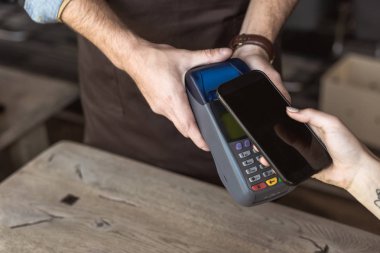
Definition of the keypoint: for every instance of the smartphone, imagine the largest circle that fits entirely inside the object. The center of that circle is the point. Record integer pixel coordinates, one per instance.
(291, 147)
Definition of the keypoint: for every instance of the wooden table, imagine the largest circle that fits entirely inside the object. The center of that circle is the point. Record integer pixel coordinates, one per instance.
(30, 100)
(74, 198)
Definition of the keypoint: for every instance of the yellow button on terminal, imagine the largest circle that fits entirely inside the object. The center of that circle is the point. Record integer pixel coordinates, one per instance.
(272, 181)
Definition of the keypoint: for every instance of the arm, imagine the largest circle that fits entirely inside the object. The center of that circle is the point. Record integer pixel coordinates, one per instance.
(166, 96)
(354, 168)
(264, 17)
(365, 187)
(94, 20)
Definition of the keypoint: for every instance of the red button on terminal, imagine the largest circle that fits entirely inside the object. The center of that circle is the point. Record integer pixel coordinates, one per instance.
(258, 187)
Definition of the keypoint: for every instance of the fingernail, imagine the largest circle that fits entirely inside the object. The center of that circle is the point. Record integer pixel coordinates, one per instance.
(292, 109)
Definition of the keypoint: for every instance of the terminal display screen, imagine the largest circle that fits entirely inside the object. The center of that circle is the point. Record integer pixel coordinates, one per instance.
(229, 126)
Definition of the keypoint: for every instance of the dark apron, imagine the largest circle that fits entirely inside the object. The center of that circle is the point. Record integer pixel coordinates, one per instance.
(118, 118)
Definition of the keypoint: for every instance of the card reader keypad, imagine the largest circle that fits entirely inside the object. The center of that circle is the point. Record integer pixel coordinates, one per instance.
(258, 176)
(245, 154)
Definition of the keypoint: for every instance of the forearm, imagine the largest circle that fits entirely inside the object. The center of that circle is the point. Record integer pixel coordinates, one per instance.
(266, 17)
(94, 20)
(366, 185)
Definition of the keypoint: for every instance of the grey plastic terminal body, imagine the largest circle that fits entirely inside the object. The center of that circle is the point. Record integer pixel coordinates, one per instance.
(227, 166)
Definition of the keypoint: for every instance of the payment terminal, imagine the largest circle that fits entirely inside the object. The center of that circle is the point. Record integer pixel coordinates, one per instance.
(245, 178)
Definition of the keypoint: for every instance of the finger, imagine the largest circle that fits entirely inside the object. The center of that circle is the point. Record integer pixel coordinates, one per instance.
(186, 121)
(285, 93)
(291, 138)
(319, 176)
(263, 161)
(208, 56)
(310, 116)
(177, 124)
(324, 175)
(318, 131)
(191, 132)
(275, 77)
(261, 158)
(196, 137)
(284, 135)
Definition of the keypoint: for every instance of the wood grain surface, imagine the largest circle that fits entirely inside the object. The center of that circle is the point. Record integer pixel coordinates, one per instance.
(30, 100)
(74, 198)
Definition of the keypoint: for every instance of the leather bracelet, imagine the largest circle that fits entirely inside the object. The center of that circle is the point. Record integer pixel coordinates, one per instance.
(253, 39)
(62, 8)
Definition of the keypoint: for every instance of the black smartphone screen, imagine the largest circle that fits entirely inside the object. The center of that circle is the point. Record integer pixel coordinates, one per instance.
(291, 147)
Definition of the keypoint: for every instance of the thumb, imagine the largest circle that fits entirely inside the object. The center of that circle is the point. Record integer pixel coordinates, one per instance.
(208, 56)
(328, 176)
(310, 116)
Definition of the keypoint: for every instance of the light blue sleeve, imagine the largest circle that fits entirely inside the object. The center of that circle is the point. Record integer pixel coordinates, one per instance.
(43, 11)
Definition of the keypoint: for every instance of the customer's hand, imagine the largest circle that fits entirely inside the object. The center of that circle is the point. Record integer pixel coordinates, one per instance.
(159, 71)
(348, 154)
(257, 59)
(354, 167)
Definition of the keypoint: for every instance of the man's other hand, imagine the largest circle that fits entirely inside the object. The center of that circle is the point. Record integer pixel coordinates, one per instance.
(257, 59)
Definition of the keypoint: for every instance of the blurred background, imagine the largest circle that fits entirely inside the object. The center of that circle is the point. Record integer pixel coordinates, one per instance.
(330, 61)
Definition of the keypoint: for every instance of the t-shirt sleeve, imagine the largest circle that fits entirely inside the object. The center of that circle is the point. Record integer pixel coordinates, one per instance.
(42, 11)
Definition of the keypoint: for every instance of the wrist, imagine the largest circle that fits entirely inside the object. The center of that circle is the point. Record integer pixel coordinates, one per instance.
(122, 48)
(368, 168)
(141, 52)
(366, 185)
(249, 50)
(244, 40)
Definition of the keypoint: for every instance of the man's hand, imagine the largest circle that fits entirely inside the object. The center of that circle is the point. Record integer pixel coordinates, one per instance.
(257, 59)
(159, 71)
(265, 18)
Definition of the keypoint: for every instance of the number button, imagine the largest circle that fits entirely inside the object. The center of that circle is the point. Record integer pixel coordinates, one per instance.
(238, 146)
(248, 162)
(244, 154)
(251, 170)
(254, 178)
(269, 173)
